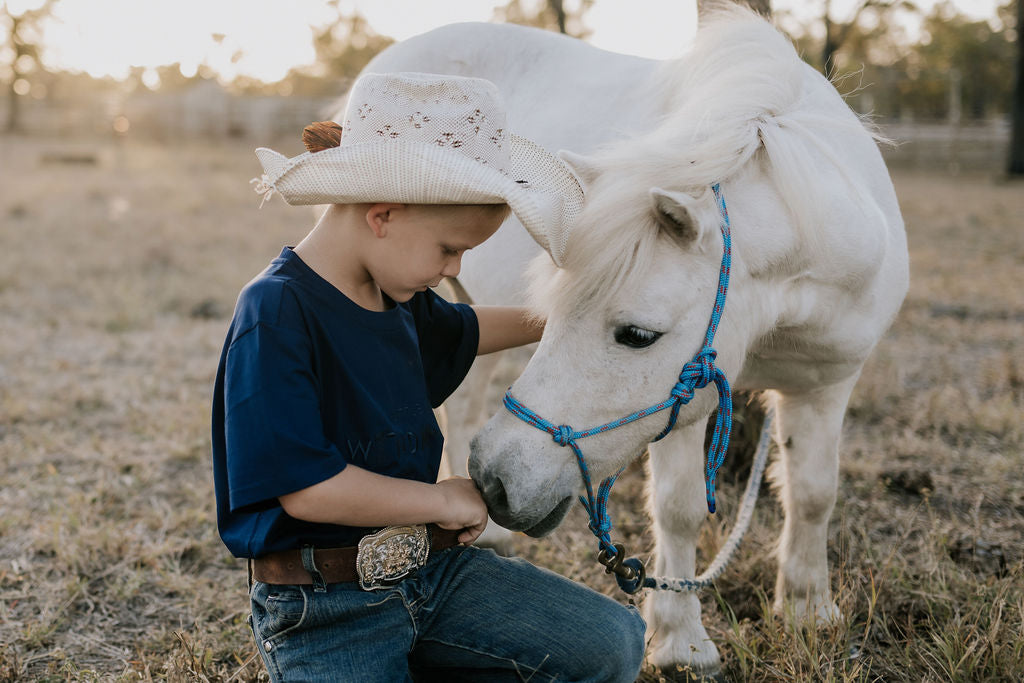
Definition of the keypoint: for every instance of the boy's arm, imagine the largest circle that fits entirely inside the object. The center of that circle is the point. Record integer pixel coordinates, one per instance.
(503, 327)
(358, 497)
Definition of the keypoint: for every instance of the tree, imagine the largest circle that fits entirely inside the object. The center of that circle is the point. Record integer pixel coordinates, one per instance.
(838, 32)
(343, 47)
(762, 7)
(967, 61)
(1015, 165)
(23, 37)
(957, 67)
(558, 7)
(547, 14)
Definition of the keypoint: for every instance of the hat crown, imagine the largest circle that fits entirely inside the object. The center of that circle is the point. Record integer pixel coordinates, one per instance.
(463, 115)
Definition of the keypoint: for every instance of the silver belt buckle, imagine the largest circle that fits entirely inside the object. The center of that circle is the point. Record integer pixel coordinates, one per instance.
(391, 554)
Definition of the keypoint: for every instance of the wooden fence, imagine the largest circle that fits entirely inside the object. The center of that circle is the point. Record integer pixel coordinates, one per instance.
(981, 146)
(208, 111)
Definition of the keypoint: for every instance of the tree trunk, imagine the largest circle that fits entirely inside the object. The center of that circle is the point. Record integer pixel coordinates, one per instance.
(13, 104)
(762, 7)
(828, 50)
(1015, 165)
(559, 10)
(12, 97)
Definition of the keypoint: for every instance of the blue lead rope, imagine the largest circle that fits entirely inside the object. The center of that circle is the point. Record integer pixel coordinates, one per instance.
(696, 374)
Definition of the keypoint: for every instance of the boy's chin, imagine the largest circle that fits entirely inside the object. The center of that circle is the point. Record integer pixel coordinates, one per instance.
(403, 295)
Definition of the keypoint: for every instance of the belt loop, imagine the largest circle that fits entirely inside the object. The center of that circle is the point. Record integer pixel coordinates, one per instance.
(319, 585)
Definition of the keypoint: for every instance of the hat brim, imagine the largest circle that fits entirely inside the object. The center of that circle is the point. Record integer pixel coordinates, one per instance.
(540, 189)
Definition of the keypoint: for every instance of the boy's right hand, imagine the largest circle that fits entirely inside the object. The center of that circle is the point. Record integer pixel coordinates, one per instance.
(464, 508)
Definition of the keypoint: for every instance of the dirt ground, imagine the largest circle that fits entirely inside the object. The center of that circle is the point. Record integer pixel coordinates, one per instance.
(119, 267)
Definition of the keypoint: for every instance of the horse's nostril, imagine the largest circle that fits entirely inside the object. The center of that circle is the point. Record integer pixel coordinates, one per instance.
(495, 495)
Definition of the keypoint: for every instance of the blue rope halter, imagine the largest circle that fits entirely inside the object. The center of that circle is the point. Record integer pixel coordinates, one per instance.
(696, 374)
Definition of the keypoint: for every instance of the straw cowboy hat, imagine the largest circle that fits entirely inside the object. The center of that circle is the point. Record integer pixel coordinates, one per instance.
(431, 139)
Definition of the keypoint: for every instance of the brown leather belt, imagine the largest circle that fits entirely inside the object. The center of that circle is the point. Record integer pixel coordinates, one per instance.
(334, 564)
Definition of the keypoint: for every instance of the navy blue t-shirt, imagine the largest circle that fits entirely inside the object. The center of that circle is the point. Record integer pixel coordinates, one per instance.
(309, 382)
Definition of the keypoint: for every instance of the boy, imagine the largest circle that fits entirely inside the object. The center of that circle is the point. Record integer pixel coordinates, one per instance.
(325, 447)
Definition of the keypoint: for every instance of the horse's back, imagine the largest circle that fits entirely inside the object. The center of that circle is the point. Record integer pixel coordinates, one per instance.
(559, 91)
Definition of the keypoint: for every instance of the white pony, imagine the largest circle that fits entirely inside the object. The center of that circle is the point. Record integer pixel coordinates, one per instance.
(819, 269)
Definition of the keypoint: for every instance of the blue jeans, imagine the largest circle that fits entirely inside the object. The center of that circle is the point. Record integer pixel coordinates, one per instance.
(468, 615)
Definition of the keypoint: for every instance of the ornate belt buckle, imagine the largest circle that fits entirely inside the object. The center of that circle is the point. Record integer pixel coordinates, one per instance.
(391, 554)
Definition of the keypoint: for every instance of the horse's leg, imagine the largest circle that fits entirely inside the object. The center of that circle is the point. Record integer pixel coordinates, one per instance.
(465, 411)
(678, 507)
(807, 475)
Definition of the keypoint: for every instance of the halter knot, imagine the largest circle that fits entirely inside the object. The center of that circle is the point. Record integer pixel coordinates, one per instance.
(563, 436)
(681, 392)
(701, 370)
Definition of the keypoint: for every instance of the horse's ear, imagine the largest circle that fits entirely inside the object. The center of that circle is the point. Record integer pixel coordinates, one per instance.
(675, 216)
(583, 167)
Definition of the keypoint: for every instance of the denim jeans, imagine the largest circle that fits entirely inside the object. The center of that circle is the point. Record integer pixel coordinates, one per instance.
(468, 615)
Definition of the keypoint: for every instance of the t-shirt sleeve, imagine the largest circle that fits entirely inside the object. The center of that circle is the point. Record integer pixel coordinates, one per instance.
(449, 336)
(275, 441)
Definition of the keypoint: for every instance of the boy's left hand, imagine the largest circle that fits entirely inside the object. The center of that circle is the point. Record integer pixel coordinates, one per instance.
(464, 508)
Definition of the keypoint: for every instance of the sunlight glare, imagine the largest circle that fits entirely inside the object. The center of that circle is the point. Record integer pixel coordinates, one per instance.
(151, 79)
(19, 7)
(108, 37)
(264, 39)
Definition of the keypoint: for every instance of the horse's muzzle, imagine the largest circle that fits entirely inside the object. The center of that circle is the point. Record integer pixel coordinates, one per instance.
(520, 495)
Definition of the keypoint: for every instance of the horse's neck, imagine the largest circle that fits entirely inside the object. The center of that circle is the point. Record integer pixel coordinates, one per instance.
(799, 309)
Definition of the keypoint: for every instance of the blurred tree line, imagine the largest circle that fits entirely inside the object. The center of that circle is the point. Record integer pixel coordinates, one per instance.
(347, 44)
(553, 15)
(19, 54)
(343, 47)
(958, 68)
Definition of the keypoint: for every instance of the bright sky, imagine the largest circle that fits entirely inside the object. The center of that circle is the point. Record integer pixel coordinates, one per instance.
(264, 38)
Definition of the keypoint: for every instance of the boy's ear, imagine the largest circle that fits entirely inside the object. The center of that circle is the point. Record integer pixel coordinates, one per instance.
(379, 216)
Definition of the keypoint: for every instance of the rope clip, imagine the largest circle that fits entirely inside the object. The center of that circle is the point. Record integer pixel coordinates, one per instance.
(629, 572)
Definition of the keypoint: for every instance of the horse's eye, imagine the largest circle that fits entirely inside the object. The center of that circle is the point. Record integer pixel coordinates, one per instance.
(637, 337)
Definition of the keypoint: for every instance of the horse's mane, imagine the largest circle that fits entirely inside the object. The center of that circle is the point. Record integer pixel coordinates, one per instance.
(739, 91)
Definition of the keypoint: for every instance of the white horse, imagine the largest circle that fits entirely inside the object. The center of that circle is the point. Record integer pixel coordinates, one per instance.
(819, 269)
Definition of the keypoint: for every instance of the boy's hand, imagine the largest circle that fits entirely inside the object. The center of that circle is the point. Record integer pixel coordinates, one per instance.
(464, 508)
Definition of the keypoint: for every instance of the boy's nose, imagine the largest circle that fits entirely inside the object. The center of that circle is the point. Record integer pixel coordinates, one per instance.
(452, 267)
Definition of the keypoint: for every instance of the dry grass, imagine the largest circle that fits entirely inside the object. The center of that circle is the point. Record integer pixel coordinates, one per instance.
(116, 284)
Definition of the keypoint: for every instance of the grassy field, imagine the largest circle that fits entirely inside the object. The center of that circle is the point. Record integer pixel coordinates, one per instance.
(118, 272)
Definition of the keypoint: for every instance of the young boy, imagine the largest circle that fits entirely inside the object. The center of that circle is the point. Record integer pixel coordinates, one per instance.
(325, 447)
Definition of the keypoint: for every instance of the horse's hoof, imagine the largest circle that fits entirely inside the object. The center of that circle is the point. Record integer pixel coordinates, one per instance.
(820, 611)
